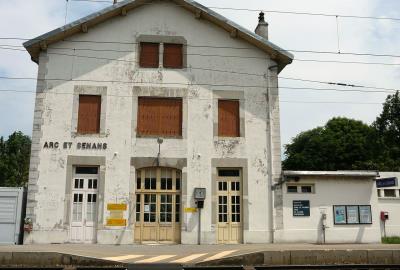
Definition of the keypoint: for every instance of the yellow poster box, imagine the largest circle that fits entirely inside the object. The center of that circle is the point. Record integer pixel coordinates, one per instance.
(190, 210)
(116, 222)
(117, 206)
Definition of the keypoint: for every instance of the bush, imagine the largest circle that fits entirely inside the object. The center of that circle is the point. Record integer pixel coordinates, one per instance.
(391, 240)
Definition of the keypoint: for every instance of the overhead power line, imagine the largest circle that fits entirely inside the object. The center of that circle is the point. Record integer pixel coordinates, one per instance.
(232, 72)
(219, 55)
(194, 46)
(321, 14)
(196, 84)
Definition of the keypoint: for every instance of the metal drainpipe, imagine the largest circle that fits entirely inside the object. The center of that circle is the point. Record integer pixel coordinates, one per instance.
(270, 155)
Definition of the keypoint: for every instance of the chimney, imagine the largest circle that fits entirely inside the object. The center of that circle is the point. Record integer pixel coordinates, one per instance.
(262, 27)
(115, 1)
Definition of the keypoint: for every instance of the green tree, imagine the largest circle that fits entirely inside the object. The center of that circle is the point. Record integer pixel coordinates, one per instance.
(14, 160)
(387, 126)
(342, 144)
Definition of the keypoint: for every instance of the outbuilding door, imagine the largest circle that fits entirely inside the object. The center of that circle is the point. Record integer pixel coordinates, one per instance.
(158, 202)
(229, 219)
(84, 205)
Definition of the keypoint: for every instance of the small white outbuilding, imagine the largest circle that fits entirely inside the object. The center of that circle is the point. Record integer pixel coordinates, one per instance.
(327, 207)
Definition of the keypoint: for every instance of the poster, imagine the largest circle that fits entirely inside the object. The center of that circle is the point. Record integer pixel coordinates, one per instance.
(340, 214)
(352, 214)
(147, 208)
(365, 214)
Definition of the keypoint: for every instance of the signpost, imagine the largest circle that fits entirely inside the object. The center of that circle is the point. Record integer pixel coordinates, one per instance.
(301, 208)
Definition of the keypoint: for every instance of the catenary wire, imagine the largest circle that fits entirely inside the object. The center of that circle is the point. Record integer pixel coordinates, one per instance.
(196, 46)
(230, 56)
(233, 72)
(272, 11)
(211, 99)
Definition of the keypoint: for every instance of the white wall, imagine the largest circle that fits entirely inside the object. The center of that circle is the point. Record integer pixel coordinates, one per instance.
(329, 191)
(390, 205)
(48, 179)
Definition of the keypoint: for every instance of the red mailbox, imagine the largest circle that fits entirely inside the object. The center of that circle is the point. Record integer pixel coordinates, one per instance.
(384, 215)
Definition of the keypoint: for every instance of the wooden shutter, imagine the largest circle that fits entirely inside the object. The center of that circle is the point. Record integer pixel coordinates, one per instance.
(89, 114)
(159, 117)
(173, 55)
(149, 55)
(228, 118)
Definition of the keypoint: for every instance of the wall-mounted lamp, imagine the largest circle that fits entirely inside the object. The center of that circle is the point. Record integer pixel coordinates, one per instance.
(159, 141)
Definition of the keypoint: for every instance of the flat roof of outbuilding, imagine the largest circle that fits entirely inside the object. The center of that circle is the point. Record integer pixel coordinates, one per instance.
(367, 174)
(33, 46)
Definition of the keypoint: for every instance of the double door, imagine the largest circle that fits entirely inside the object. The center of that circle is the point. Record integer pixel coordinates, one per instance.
(84, 208)
(229, 219)
(158, 202)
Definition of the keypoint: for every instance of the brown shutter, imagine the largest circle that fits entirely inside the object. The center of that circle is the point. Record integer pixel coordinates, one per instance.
(89, 114)
(173, 55)
(159, 117)
(149, 55)
(228, 118)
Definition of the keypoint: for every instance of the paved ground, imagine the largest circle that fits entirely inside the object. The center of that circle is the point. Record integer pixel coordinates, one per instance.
(182, 254)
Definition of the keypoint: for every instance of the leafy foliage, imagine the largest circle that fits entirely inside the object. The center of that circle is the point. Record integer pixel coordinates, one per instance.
(347, 144)
(14, 160)
(387, 125)
(341, 144)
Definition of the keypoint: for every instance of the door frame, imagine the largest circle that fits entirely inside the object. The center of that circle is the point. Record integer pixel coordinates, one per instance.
(85, 191)
(229, 202)
(158, 192)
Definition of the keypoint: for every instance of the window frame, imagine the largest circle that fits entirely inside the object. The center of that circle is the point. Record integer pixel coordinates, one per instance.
(163, 46)
(159, 134)
(79, 128)
(141, 60)
(238, 122)
(346, 214)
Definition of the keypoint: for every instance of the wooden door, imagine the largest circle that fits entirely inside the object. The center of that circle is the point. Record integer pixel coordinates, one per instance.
(84, 209)
(229, 212)
(157, 205)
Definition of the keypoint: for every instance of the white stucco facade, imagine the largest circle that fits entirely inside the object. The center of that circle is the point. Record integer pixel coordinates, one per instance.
(390, 203)
(103, 60)
(326, 192)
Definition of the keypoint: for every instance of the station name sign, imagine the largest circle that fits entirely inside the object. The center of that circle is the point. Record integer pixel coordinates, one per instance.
(79, 145)
(386, 182)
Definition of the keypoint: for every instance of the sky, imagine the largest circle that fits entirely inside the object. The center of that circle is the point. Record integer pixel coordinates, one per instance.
(301, 109)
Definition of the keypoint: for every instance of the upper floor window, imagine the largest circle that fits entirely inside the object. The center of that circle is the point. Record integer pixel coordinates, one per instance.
(173, 56)
(89, 114)
(150, 55)
(228, 118)
(159, 117)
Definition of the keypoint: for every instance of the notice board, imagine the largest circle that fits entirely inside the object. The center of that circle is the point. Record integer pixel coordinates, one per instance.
(301, 208)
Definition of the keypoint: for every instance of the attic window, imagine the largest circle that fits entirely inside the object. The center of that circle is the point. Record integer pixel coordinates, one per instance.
(149, 55)
(172, 55)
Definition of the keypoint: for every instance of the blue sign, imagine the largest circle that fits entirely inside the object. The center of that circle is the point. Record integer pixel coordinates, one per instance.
(386, 182)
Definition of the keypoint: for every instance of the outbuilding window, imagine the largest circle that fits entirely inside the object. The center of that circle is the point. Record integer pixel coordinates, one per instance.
(228, 118)
(159, 117)
(89, 114)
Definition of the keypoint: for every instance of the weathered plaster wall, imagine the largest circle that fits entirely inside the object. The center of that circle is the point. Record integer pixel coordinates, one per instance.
(330, 191)
(390, 205)
(91, 64)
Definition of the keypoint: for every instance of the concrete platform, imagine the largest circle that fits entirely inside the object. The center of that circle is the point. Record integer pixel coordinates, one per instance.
(251, 254)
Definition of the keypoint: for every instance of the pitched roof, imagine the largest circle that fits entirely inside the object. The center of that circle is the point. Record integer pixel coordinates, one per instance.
(34, 45)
